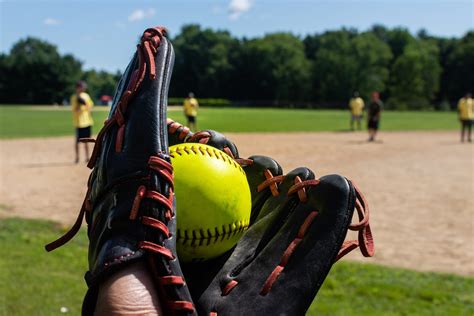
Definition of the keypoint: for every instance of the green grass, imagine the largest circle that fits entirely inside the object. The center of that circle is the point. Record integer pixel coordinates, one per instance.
(33, 282)
(27, 121)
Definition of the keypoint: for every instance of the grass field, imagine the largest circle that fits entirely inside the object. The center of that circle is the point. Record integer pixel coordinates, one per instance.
(27, 121)
(33, 282)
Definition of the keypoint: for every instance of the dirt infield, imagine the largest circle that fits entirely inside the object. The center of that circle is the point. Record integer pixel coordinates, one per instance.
(419, 187)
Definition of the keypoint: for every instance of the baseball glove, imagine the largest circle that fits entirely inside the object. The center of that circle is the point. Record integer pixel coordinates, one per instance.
(129, 205)
(298, 227)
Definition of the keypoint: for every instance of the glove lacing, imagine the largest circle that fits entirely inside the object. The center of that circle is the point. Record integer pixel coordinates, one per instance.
(146, 51)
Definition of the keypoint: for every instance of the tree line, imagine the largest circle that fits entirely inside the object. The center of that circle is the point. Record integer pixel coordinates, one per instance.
(278, 69)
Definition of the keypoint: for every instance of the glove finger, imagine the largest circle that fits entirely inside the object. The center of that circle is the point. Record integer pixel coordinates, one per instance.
(216, 140)
(129, 205)
(277, 209)
(295, 251)
(177, 133)
(264, 176)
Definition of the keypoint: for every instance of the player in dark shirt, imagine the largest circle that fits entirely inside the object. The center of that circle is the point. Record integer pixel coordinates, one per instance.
(373, 118)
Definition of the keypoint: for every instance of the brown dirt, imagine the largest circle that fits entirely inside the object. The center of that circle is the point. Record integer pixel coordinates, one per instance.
(419, 186)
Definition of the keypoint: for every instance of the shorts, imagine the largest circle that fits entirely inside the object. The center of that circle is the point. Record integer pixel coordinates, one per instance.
(191, 119)
(466, 123)
(373, 124)
(356, 117)
(83, 132)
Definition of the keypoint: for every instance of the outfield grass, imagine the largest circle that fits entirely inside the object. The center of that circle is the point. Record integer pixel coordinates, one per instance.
(27, 121)
(33, 282)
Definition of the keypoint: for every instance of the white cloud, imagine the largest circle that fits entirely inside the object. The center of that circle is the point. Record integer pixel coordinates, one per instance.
(51, 21)
(141, 14)
(237, 7)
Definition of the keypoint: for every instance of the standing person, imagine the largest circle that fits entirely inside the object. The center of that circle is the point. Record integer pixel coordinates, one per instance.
(373, 115)
(81, 105)
(466, 116)
(356, 105)
(191, 106)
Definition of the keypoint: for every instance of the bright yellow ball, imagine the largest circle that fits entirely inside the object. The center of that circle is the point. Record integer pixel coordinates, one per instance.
(213, 201)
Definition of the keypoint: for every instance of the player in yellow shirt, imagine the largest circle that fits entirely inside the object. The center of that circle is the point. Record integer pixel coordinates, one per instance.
(190, 107)
(466, 116)
(81, 106)
(356, 105)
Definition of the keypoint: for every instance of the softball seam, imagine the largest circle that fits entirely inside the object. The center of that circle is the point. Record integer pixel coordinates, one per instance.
(208, 151)
(205, 237)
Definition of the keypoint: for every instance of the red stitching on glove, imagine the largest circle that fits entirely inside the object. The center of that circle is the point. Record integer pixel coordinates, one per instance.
(152, 222)
(163, 167)
(244, 162)
(228, 152)
(181, 305)
(300, 188)
(201, 137)
(174, 127)
(226, 290)
(172, 280)
(141, 191)
(271, 182)
(167, 202)
(267, 286)
(147, 245)
(365, 239)
(145, 50)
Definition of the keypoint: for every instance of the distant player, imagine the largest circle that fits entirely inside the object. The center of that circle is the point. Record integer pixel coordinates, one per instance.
(191, 106)
(373, 115)
(466, 116)
(81, 106)
(356, 105)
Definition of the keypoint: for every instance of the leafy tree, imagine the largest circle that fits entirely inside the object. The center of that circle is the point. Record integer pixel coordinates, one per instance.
(345, 63)
(4, 75)
(274, 68)
(38, 74)
(201, 63)
(398, 39)
(100, 83)
(373, 57)
(446, 47)
(415, 76)
(460, 65)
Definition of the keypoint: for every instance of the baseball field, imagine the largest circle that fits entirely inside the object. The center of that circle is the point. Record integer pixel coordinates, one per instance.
(417, 178)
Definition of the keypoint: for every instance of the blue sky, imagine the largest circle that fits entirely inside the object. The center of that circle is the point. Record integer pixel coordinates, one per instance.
(102, 34)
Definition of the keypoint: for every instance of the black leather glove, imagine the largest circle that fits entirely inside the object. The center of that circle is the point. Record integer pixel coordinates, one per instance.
(129, 206)
(297, 231)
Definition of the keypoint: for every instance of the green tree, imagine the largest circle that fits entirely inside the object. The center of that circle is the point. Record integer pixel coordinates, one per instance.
(459, 68)
(100, 83)
(346, 62)
(273, 68)
(373, 57)
(201, 63)
(38, 74)
(415, 76)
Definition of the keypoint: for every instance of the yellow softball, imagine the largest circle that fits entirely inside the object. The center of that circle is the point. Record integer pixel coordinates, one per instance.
(213, 201)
